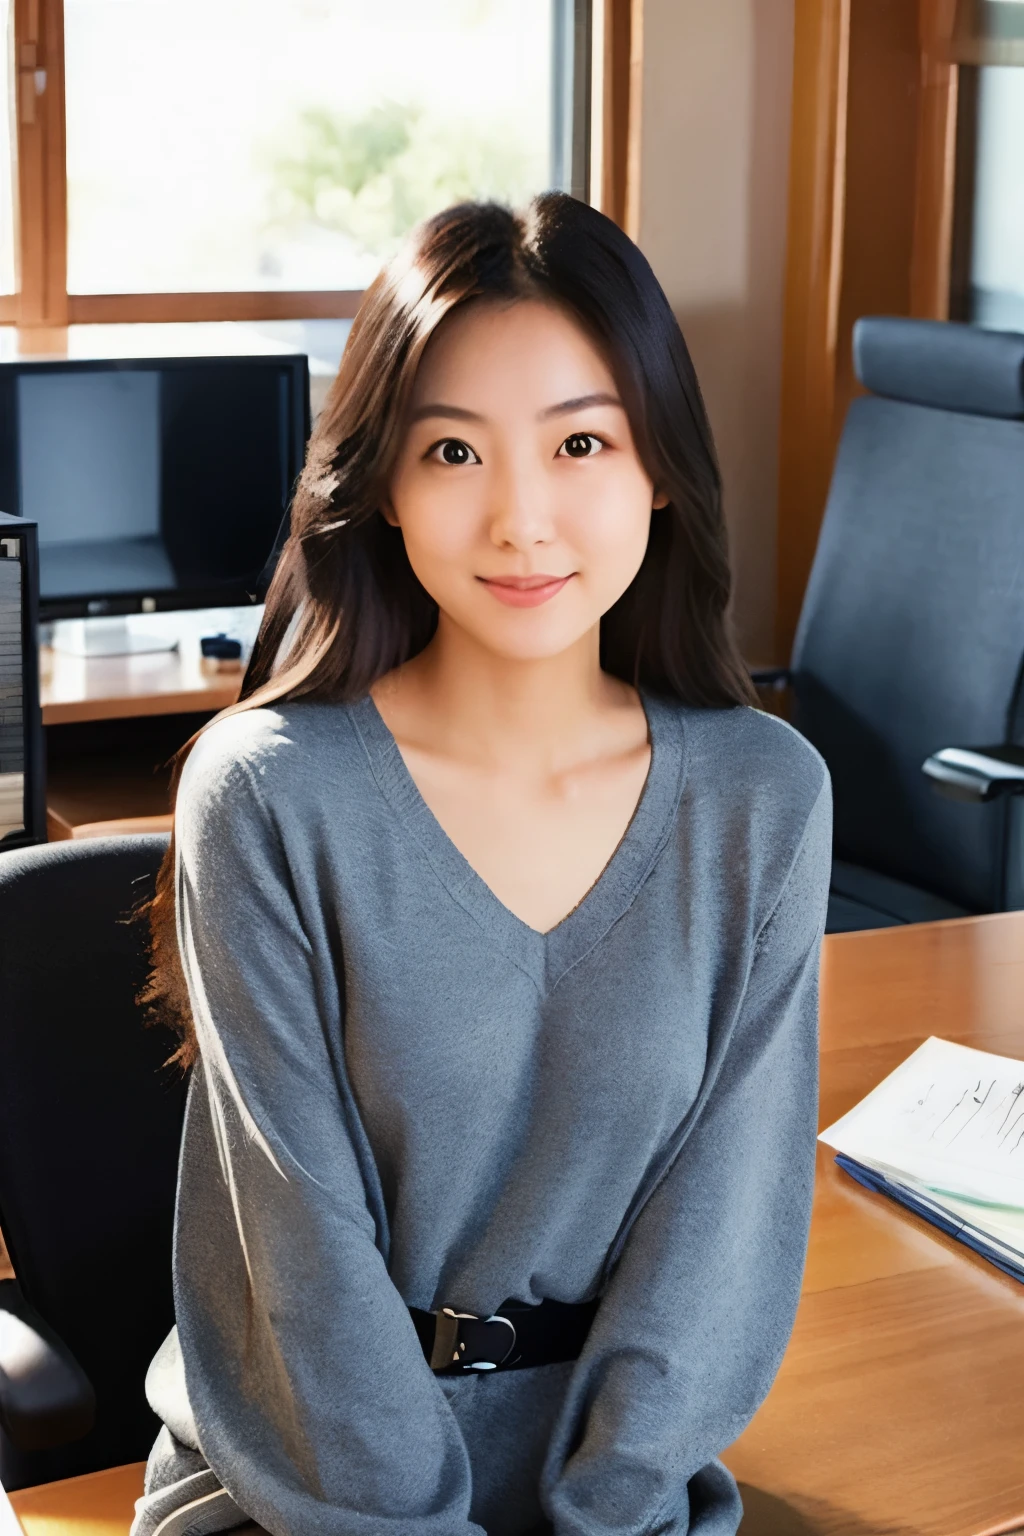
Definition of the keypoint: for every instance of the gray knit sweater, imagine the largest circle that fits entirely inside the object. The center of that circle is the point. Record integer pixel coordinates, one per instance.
(408, 1097)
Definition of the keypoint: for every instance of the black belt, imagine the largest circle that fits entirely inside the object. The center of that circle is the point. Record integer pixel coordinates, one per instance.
(511, 1339)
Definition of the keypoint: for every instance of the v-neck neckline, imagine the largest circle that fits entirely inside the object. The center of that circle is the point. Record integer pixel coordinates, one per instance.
(546, 957)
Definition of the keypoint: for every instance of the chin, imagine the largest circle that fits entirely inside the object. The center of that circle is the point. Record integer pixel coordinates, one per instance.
(527, 654)
(522, 635)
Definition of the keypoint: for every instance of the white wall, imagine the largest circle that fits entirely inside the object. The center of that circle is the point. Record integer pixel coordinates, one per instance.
(717, 81)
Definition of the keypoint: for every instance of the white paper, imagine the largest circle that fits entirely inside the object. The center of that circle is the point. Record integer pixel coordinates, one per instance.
(950, 1118)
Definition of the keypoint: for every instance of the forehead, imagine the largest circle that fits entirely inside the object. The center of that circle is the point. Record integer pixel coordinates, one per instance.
(528, 348)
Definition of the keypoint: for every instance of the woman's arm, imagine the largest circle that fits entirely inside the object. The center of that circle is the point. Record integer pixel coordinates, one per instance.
(313, 1402)
(692, 1328)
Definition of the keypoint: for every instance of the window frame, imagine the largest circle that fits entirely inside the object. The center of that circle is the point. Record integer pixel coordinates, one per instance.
(40, 176)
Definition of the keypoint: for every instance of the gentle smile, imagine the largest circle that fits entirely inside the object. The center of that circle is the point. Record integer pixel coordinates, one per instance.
(524, 591)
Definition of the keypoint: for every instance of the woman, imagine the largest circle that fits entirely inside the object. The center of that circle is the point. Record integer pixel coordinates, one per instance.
(499, 914)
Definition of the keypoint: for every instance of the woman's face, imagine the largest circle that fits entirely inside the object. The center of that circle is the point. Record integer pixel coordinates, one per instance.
(523, 505)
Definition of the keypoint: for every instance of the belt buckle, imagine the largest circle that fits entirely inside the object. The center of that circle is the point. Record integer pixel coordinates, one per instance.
(464, 1341)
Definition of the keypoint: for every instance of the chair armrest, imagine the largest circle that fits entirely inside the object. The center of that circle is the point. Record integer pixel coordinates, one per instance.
(46, 1399)
(777, 678)
(976, 773)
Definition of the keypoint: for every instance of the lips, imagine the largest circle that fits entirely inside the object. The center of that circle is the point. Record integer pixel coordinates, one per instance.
(524, 591)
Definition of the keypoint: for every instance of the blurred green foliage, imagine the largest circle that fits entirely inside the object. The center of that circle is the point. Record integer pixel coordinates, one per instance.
(373, 177)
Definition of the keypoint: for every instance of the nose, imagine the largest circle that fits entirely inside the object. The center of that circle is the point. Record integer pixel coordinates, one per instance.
(521, 512)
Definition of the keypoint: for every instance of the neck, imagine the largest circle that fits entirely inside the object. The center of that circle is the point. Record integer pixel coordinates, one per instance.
(508, 712)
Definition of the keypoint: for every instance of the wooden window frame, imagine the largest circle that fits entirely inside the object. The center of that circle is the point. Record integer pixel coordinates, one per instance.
(42, 301)
(964, 178)
(617, 111)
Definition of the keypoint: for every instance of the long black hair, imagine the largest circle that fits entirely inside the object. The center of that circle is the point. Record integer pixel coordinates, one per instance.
(344, 606)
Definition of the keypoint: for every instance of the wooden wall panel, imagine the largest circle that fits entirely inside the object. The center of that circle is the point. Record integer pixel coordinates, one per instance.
(817, 171)
(872, 169)
(881, 160)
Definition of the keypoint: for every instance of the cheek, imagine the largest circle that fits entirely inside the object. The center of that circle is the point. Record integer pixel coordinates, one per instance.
(610, 524)
(437, 522)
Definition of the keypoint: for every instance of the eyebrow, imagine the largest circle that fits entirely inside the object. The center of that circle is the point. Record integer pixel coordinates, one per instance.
(458, 413)
(600, 397)
(449, 412)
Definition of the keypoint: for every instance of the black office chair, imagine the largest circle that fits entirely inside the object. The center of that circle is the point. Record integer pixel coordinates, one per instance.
(910, 645)
(90, 1123)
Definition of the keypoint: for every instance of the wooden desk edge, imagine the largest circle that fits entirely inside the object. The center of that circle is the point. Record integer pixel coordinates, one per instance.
(132, 706)
(969, 919)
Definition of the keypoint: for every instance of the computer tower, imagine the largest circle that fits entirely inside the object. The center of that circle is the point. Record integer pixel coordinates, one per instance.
(22, 793)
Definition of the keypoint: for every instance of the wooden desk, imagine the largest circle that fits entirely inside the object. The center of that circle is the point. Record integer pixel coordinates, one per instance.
(899, 1407)
(77, 688)
(125, 780)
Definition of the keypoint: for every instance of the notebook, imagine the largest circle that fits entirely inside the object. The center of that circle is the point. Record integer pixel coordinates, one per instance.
(944, 1136)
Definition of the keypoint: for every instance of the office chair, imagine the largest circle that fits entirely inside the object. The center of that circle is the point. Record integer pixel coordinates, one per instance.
(90, 1124)
(910, 645)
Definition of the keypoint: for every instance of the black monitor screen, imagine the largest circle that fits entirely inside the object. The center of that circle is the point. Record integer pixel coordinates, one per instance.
(164, 481)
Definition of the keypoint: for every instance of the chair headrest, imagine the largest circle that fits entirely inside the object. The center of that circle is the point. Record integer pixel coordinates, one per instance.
(933, 362)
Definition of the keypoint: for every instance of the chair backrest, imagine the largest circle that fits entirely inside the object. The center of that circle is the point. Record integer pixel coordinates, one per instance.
(90, 1123)
(912, 631)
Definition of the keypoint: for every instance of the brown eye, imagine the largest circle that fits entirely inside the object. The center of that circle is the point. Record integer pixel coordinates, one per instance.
(453, 451)
(581, 445)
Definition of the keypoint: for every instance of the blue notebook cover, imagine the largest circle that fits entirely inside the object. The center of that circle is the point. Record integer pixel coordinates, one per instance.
(971, 1238)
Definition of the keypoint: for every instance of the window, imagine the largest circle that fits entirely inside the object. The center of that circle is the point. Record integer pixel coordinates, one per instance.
(259, 159)
(997, 239)
(987, 268)
(6, 155)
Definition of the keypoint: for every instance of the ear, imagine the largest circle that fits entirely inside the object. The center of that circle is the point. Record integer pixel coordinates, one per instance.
(388, 513)
(660, 500)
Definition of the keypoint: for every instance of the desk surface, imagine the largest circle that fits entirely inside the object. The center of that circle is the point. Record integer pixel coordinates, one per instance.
(899, 1407)
(77, 688)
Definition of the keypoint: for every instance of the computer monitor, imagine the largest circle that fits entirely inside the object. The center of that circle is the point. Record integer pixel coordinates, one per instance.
(155, 483)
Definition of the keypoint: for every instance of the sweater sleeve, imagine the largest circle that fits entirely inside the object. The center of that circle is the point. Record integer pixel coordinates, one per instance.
(313, 1403)
(700, 1305)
